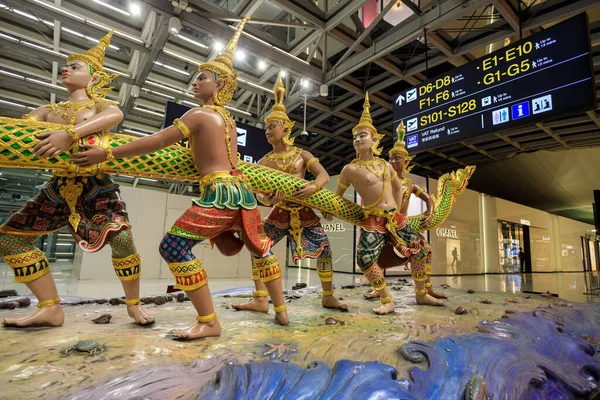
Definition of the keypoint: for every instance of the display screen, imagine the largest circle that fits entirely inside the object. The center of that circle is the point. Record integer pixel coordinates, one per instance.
(540, 77)
(252, 142)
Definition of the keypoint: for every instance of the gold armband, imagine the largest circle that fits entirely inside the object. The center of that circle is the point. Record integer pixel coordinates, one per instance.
(310, 162)
(342, 184)
(71, 131)
(394, 176)
(418, 192)
(182, 127)
(109, 154)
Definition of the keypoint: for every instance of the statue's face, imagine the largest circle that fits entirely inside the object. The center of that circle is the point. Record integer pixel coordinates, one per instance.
(274, 131)
(204, 86)
(76, 75)
(397, 161)
(362, 140)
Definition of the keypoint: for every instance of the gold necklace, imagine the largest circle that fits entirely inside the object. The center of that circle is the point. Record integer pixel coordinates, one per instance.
(67, 106)
(372, 166)
(279, 159)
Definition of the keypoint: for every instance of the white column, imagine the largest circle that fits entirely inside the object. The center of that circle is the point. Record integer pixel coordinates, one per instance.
(488, 228)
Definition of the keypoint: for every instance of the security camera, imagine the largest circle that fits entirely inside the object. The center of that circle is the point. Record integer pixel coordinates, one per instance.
(304, 135)
(174, 26)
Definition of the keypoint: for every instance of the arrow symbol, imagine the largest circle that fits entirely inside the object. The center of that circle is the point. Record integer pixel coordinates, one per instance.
(400, 99)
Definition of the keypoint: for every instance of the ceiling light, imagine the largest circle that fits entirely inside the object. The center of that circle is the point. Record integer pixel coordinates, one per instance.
(148, 111)
(179, 71)
(218, 45)
(237, 110)
(174, 26)
(72, 32)
(135, 9)
(64, 89)
(240, 55)
(114, 71)
(187, 39)
(35, 46)
(59, 9)
(189, 103)
(116, 32)
(112, 7)
(2, 72)
(178, 91)
(10, 103)
(262, 65)
(159, 94)
(182, 57)
(8, 37)
(305, 83)
(282, 73)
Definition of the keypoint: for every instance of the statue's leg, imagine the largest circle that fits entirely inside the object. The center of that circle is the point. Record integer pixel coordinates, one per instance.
(369, 247)
(418, 269)
(325, 271)
(190, 276)
(260, 296)
(269, 272)
(429, 286)
(127, 265)
(31, 267)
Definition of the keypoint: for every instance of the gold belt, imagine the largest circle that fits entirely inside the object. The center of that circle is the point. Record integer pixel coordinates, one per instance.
(380, 212)
(219, 176)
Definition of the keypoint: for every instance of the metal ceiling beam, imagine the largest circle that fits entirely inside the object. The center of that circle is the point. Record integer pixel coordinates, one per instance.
(301, 12)
(158, 42)
(366, 32)
(508, 14)
(594, 117)
(552, 134)
(433, 19)
(337, 15)
(255, 21)
(47, 13)
(480, 151)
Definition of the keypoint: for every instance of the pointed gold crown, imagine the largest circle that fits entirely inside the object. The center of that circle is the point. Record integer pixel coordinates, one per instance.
(278, 112)
(94, 57)
(366, 122)
(223, 63)
(399, 146)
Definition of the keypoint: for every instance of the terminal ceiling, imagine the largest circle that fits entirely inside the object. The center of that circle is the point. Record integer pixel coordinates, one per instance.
(313, 42)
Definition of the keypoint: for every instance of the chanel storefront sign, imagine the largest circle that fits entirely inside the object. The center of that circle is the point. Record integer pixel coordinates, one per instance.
(449, 233)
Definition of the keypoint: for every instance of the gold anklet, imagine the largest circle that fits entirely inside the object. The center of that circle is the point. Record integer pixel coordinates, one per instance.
(421, 292)
(385, 300)
(260, 293)
(279, 309)
(428, 285)
(206, 318)
(328, 292)
(133, 302)
(48, 303)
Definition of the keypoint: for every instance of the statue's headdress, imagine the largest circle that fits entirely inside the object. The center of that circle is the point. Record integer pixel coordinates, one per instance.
(278, 112)
(400, 147)
(94, 58)
(222, 68)
(366, 122)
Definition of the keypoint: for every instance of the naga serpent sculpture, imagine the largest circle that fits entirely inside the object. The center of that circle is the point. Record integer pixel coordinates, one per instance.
(176, 163)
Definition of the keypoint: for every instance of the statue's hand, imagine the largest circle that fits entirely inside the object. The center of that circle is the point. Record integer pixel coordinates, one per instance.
(427, 220)
(52, 143)
(93, 155)
(305, 191)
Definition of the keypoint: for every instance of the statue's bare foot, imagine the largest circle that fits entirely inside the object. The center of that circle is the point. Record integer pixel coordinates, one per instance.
(200, 330)
(385, 308)
(437, 295)
(425, 299)
(332, 302)
(282, 318)
(52, 316)
(260, 304)
(372, 295)
(139, 315)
